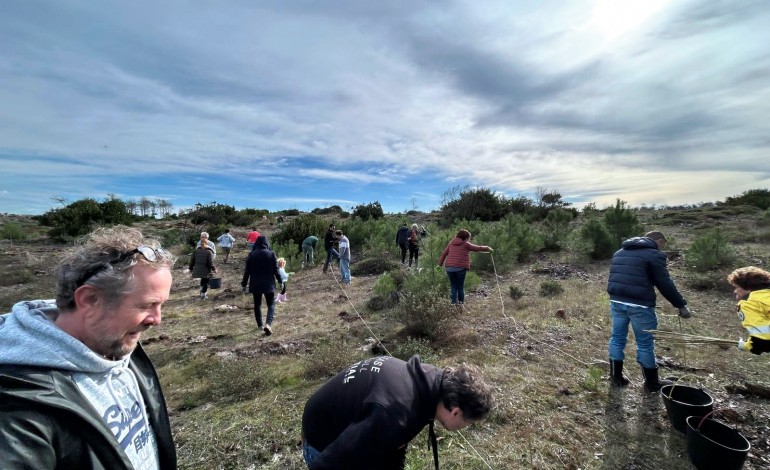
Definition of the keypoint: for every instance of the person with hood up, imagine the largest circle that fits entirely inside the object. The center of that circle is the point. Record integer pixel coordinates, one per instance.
(76, 388)
(752, 291)
(637, 269)
(457, 258)
(259, 278)
(365, 416)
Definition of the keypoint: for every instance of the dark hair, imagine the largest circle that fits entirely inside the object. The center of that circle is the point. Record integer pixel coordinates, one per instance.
(463, 235)
(464, 387)
(655, 235)
(331, 226)
(750, 278)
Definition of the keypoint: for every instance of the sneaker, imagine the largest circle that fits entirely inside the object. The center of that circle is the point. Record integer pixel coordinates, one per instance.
(203, 295)
(268, 330)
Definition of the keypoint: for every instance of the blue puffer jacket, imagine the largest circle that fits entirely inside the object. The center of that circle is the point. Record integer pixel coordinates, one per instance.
(637, 268)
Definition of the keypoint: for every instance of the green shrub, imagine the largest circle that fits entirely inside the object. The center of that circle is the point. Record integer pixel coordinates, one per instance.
(556, 228)
(373, 210)
(297, 230)
(389, 282)
(424, 309)
(11, 231)
(621, 222)
(753, 197)
(411, 346)
(602, 246)
(516, 292)
(709, 251)
(550, 289)
(372, 266)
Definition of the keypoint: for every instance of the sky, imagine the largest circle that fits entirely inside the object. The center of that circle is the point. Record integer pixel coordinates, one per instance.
(307, 104)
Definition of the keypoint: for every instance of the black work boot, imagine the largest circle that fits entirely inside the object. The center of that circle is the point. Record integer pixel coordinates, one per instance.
(616, 374)
(651, 381)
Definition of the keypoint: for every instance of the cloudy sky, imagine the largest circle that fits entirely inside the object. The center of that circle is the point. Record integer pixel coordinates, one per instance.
(305, 104)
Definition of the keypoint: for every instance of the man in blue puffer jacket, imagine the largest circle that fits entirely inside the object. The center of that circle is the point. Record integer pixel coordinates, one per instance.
(637, 269)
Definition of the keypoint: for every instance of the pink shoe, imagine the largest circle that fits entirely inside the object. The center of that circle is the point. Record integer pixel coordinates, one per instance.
(281, 298)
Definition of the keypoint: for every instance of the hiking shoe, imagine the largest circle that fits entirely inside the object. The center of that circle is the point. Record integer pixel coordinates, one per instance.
(268, 330)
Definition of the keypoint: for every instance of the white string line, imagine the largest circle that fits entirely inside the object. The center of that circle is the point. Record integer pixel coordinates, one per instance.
(391, 355)
(524, 329)
(356, 312)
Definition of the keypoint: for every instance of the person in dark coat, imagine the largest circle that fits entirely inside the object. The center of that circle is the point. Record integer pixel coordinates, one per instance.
(329, 240)
(259, 278)
(402, 237)
(365, 416)
(637, 269)
(202, 263)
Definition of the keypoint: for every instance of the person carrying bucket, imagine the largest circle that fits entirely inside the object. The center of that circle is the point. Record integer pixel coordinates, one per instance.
(752, 291)
(637, 269)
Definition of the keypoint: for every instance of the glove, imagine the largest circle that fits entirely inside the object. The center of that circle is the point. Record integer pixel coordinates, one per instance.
(743, 345)
(685, 312)
(244, 290)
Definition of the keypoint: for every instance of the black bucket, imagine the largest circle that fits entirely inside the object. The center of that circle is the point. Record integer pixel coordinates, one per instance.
(215, 282)
(682, 401)
(713, 445)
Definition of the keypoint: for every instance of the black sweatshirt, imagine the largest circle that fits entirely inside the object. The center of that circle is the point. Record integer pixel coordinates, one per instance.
(365, 416)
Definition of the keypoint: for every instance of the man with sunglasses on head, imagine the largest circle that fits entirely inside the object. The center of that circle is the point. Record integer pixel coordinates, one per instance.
(76, 388)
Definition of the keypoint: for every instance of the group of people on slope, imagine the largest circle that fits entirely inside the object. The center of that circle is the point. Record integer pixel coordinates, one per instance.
(262, 270)
(78, 391)
(637, 269)
(455, 257)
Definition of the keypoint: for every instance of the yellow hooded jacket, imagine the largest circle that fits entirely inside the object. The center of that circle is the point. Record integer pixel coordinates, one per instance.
(754, 313)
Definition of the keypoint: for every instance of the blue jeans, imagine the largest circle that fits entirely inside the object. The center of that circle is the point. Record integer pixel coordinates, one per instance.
(309, 453)
(640, 318)
(345, 271)
(457, 283)
(330, 253)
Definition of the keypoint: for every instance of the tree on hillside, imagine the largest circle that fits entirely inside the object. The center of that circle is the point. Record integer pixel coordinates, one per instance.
(621, 222)
(474, 204)
(753, 197)
(80, 217)
(373, 211)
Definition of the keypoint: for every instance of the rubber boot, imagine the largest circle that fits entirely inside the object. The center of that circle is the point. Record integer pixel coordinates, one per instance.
(616, 374)
(651, 381)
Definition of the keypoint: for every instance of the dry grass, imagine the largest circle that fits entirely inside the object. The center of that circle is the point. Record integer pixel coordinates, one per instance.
(236, 396)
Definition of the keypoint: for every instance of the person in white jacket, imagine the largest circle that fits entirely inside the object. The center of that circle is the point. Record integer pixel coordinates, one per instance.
(226, 243)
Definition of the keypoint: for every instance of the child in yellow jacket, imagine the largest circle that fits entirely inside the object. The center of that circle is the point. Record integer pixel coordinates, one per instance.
(752, 291)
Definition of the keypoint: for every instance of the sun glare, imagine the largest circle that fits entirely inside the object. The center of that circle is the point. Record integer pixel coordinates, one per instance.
(613, 18)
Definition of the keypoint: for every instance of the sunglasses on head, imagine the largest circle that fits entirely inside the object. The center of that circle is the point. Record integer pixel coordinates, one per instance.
(149, 253)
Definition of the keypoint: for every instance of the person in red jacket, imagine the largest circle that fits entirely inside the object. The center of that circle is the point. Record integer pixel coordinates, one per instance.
(457, 259)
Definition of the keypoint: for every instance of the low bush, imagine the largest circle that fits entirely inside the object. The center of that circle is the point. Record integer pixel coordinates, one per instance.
(328, 358)
(550, 289)
(709, 251)
(419, 346)
(515, 292)
(12, 232)
(373, 266)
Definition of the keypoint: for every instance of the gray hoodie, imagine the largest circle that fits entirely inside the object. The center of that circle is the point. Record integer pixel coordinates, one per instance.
(30, 338)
